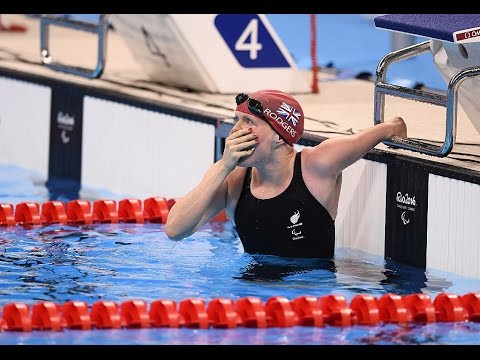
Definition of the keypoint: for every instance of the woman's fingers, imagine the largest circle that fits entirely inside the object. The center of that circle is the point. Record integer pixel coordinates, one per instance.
(239, 134)
(241, 147)
(239, 144)
(240, 140)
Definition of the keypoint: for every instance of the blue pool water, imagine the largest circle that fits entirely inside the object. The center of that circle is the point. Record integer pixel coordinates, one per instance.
(121, 262)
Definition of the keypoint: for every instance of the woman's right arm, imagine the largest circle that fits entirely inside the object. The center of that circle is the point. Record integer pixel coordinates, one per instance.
(208, 198)
(200, 204)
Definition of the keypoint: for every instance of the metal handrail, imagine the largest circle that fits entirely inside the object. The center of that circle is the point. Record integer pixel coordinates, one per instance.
(450, 101)
(101, 29)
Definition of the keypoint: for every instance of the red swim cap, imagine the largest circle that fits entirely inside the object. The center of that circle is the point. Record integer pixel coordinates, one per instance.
(281, 110)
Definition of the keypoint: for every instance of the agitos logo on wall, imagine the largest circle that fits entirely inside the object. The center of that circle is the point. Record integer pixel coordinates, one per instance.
(66, 123)
(407, 204)
(66, 133)
(406, 214)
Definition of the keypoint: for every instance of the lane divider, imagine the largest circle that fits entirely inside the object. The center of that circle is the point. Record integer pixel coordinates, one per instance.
(277, 311)
(251, 312)
(81, 212)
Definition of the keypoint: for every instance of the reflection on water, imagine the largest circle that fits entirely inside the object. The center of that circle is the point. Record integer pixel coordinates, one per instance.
(351, 270)
(96, 261)
(273, 268)
(120, 262)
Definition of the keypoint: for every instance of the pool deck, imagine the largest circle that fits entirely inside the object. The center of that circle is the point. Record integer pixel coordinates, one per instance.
(340, 107)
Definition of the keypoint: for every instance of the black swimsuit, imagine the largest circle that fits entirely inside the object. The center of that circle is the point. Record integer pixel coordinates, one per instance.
(292, 224)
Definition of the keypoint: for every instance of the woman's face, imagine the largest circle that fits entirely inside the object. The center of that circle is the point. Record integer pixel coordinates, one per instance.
(265, 134)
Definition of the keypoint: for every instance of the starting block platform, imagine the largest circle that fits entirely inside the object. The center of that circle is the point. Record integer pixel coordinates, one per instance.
(456, 53)
(458, 28)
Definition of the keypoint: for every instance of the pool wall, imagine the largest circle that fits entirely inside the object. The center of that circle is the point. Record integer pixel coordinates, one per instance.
(405, 208)
(70, 132)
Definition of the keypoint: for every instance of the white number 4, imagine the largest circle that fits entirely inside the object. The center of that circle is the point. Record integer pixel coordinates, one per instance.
(253, 46)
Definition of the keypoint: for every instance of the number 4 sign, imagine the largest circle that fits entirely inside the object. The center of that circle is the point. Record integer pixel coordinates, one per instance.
(250, 41)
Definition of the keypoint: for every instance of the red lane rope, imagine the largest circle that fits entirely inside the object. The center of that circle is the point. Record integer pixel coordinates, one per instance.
(153, 209)
(277, 311)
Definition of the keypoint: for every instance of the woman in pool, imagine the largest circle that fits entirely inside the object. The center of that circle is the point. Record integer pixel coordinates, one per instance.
(283, 202)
